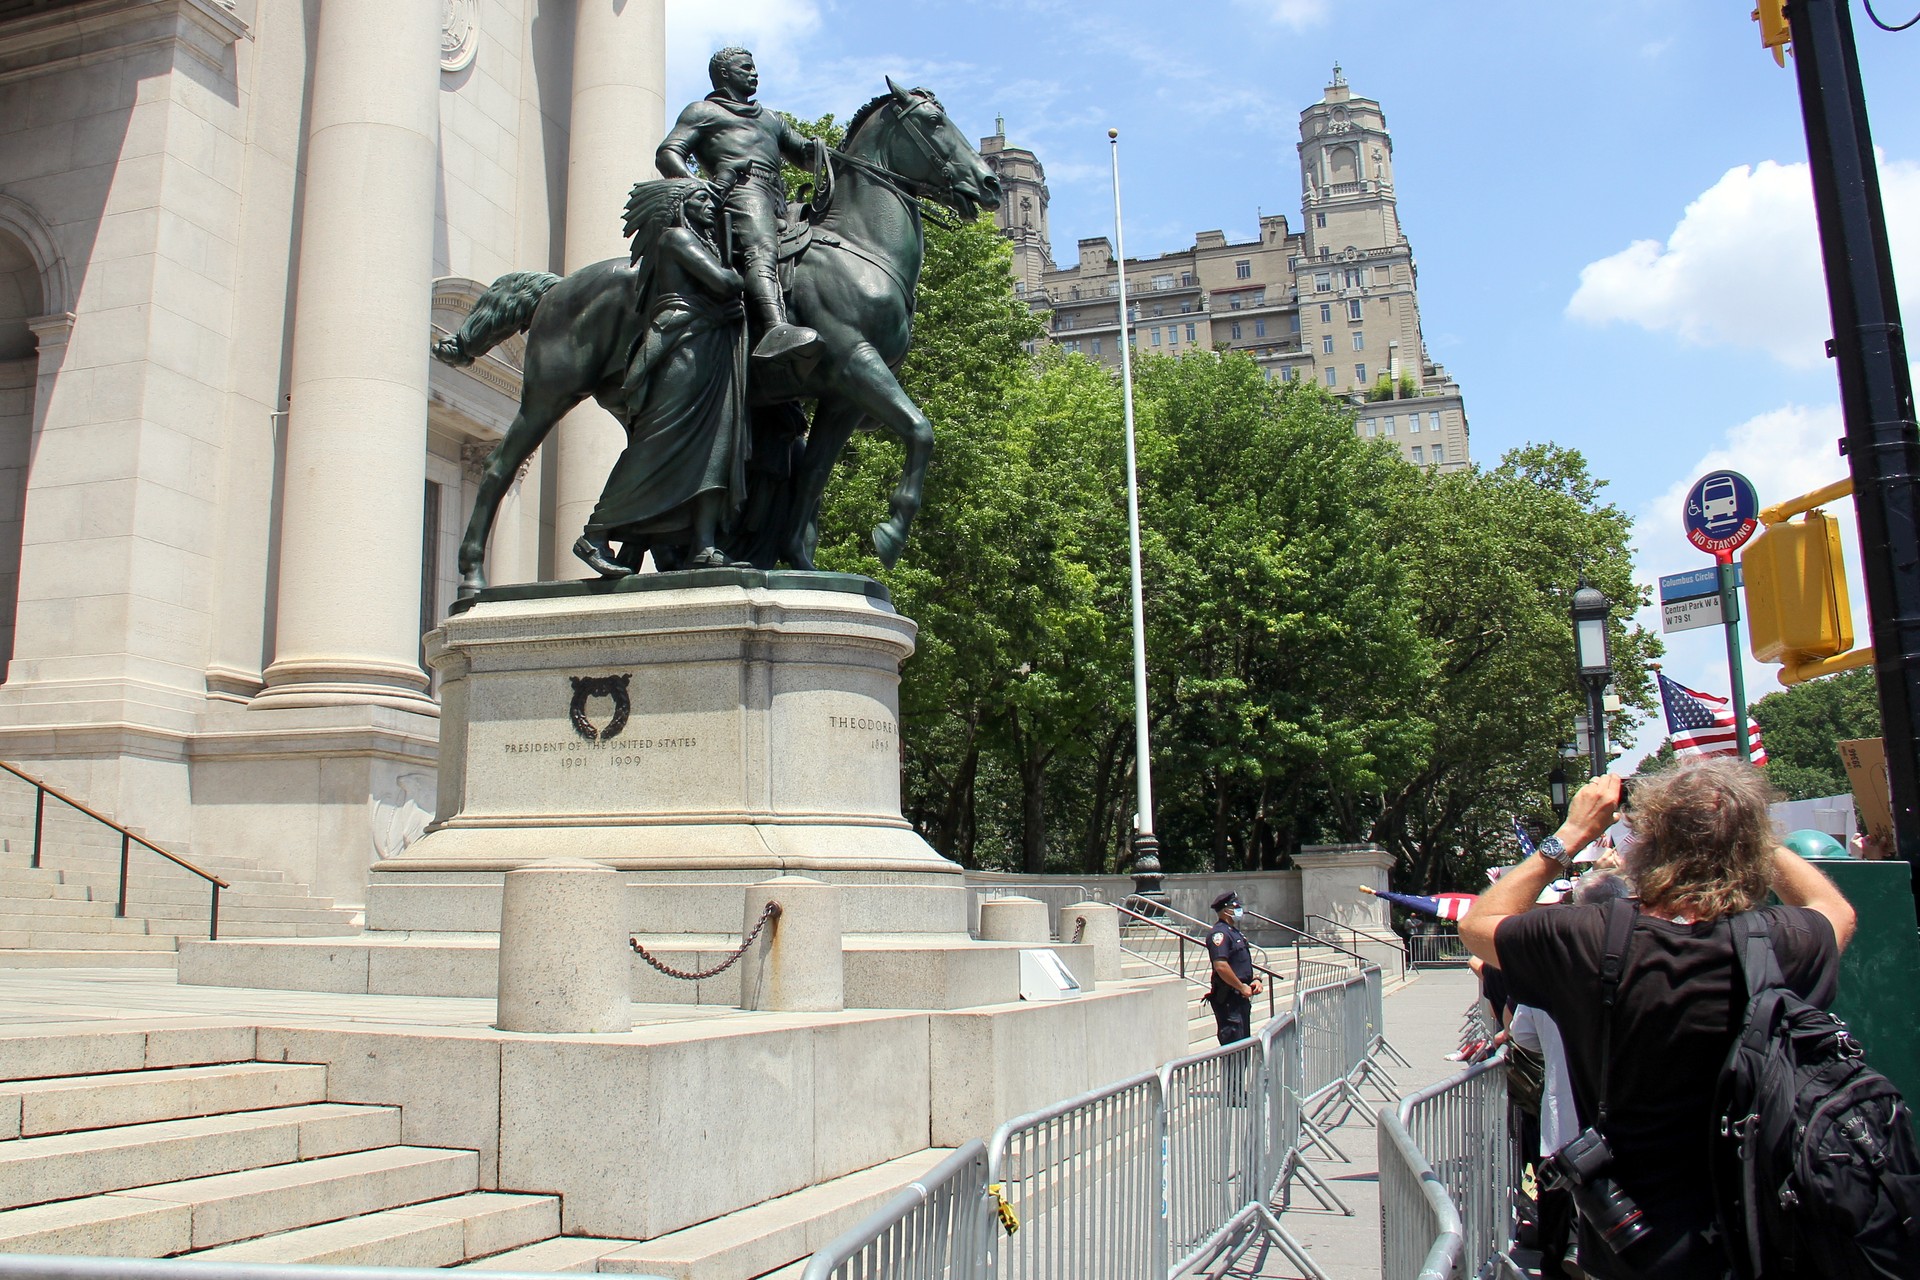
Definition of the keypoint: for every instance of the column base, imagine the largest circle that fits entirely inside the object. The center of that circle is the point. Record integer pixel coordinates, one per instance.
(345, 684)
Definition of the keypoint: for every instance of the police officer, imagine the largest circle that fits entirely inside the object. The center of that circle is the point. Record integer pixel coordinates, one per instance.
(1234, 985)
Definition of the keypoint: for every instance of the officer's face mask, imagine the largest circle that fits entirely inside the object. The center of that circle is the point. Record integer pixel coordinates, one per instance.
(1238, 913)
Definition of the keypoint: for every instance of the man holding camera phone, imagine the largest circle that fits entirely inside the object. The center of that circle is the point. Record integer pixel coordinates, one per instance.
(1646, 1049)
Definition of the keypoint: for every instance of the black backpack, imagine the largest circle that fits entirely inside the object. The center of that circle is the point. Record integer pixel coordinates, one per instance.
(1814, 1164)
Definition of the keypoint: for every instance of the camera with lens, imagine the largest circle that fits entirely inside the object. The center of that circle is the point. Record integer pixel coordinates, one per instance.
(1581, 1168)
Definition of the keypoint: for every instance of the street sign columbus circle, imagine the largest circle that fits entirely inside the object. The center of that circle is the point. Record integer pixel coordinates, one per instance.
(1722, 512)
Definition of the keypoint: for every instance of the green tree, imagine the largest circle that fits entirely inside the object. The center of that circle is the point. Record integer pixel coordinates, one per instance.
(1803, 725)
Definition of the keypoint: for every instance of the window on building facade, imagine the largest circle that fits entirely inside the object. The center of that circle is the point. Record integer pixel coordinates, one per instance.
(1320, 218)
(1243, 269)
(1260, 327)
(1389, 421)
(1190, 337)
(1269, 373)
(1233, 303)
(1326, 313)
(1439, 454)
(1071, 346)
(1065, 321)
(1353, 308)
(1259, 298)
(1323, 283)
(1359, 340)
(1186, 307)
(1416, 454)
(1133, 312)
(1186, 279)
(1293, 322)
(1163, 282)
(1332, 374)
(1413, 424)
(1293, 374)
(1155, 331)
(1325, 253)
(1360, 374)
(1355, 277)
(1096, 346)
(1234, 331)
(1370, 427)
(1326, 343)
(1433, 420)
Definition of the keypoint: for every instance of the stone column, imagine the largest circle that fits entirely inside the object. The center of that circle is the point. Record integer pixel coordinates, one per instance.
(796, 964)
(348, 621)
(565, 967)
(1330, 880)
(1102, 933)
(619, 117)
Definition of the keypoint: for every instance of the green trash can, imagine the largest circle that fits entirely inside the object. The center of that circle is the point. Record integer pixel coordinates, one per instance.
(1881, 969)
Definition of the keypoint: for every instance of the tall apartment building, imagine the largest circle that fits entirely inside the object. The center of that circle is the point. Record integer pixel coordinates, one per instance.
(1334, 302)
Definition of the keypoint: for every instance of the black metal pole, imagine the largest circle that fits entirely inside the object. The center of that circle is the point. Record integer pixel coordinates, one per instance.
(1876, 391)
(1596, 726)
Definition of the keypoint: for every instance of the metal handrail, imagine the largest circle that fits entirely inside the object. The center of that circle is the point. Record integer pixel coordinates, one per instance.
(1204, 926)
(1299, 934)
(127, 840)
(1393, 940)
(1166, 969)
(1186, 938)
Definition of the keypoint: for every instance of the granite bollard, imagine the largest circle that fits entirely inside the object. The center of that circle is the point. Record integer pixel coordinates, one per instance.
(795, 965)
(1015, 919)
(564, 963)
(1101, 932)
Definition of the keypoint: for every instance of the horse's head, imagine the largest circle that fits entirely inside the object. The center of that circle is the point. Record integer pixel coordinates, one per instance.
(918, 140)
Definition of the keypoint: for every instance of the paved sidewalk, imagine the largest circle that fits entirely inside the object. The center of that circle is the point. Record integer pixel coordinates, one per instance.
(1423, 1023)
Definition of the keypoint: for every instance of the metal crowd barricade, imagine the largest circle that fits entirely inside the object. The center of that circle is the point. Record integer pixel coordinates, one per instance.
(932, 1229)
(1084, 1181)
(1459, 1129)
(1420, 1236)
(1216, 1144)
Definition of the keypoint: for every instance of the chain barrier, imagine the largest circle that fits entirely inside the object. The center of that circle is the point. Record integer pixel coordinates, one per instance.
(1079, 929)
(770, 914)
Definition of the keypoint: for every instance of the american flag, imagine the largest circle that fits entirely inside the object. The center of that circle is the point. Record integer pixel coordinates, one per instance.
(1702, 725)
(1520, 834)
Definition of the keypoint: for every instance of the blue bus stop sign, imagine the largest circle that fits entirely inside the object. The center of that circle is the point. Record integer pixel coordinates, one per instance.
(1722, 512)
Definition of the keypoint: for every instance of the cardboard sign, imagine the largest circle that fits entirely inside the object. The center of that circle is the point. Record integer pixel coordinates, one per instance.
(1866, 764)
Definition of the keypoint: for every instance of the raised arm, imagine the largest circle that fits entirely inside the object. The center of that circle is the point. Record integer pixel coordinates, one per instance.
(1519, 889)
(1800, 884)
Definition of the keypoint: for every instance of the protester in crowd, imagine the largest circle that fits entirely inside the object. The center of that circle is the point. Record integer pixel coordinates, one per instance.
(1703, 849)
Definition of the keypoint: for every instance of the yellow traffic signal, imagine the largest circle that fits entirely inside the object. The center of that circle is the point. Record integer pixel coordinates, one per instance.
(1774, 35)
(1797, 591)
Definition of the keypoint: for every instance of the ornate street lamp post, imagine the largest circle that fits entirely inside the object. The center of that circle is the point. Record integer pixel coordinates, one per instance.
(1595, 658)
(1557, 791)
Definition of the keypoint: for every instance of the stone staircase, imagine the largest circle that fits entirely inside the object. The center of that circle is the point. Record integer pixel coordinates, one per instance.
(63, 911)
(166, 1138)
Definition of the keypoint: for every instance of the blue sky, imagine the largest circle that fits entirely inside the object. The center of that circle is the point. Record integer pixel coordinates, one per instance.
(1608, 202)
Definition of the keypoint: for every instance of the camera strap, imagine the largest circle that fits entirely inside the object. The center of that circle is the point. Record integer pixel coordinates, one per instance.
(1613, 962)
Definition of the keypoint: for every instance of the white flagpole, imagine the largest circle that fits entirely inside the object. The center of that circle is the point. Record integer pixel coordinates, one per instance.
(1146, 849)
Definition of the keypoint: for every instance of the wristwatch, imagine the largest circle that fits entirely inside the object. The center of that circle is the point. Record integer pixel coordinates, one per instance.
(1555, 852)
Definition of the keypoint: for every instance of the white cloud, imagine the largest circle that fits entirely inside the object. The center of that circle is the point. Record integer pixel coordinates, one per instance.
(1785, 452)
(776, 31)
(1742, 266)
(1298, 14)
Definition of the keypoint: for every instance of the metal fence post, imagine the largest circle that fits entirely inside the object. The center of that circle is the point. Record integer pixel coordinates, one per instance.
(39, 819)
(120, 907)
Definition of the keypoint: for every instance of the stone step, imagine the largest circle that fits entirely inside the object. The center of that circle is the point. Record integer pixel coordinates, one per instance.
(65, 917)
(58, 940)
(296, 912)
(753, 1241)
(42, 885)
(153, 874)
(163, 1219)
(435, 1233)
(72, 1103)
(40, 1051)
(95, 959)
(244, 928)
(68, 1166)
(572, 1254)
(190, 897)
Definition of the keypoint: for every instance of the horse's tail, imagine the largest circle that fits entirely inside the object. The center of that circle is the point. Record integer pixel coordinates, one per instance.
(506, 308)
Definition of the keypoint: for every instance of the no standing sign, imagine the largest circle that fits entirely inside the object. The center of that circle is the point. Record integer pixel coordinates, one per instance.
(1722, 512)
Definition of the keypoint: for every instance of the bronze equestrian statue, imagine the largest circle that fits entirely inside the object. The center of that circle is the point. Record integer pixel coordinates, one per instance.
(854, 262)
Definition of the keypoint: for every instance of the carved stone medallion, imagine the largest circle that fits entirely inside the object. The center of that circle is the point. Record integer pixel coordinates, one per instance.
(459, 34)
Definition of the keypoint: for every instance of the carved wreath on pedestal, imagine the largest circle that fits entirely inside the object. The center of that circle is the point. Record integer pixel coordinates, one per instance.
(459, 34)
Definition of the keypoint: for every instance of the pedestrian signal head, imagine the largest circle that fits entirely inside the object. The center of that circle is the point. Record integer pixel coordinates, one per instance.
(1774, 35)
(1797, 605)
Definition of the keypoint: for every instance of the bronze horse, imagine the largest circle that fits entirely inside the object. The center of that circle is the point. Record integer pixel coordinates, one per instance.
(854, 284)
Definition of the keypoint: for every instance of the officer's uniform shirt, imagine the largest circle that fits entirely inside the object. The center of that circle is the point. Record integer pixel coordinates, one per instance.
(1224, 942)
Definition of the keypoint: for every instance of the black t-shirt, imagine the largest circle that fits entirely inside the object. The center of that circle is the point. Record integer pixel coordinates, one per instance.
(1681, 1001)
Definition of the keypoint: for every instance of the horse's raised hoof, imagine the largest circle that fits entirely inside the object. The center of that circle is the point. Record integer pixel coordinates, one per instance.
(599, 556)
(889, 540)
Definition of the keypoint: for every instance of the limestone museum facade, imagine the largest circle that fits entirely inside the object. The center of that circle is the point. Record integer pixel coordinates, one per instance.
(231, 479)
